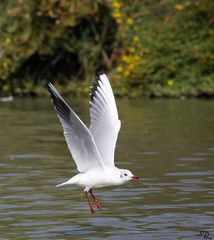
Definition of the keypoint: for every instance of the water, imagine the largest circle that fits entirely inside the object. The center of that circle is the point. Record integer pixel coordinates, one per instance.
(168, 143)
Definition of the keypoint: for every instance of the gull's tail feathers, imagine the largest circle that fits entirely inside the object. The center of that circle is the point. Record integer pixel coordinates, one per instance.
(70, 181)
(73, 180)
(61, 184)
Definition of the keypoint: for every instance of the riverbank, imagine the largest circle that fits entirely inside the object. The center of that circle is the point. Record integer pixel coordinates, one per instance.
(148, 48)
(82, 89)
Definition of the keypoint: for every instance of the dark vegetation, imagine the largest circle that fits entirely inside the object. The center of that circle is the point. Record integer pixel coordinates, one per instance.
(159, 48)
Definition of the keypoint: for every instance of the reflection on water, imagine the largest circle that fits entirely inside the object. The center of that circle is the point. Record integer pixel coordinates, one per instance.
(170, 144)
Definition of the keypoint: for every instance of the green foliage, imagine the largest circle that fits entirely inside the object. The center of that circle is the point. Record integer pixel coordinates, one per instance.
(156, 48)
(52, 40)
(176, 50)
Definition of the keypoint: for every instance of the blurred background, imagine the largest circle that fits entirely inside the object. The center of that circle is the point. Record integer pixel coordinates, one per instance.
(154, 48)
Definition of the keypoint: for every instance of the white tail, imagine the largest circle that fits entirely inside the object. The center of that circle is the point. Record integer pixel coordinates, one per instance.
(70, 181)
(61, 184)
(73, 180)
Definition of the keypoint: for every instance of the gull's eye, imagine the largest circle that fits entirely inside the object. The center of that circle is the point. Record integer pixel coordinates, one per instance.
(125, 174)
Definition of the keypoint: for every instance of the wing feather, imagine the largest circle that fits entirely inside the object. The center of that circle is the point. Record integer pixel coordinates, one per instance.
(105, 124)
(79, 139)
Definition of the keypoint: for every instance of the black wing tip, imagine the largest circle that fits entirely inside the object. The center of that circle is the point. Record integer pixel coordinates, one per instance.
(53, 91)
(91, 95)
(93, 92)
(60, 105)
(95, 85)
(50, 87)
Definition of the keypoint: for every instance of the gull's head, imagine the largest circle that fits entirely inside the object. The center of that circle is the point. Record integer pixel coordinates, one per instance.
(127, 175)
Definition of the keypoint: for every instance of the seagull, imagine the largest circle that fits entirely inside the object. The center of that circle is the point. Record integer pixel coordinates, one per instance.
(93, 148)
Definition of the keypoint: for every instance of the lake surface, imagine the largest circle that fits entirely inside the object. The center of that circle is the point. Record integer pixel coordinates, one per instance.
(168, 143)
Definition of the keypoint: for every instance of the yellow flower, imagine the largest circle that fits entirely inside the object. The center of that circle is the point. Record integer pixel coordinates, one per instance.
(136, 39)
(129, 21)
(116, 14)
(131, 49)
(170, 82)
(179, 7)
(127, 73)
(8, 40)
(119, 68)
(116, 4)
(136, 58)
(132, 66)
(125, 58)
(5, 65)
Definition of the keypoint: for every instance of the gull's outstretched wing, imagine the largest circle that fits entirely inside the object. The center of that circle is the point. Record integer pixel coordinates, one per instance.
(105, 124)
(79, 140)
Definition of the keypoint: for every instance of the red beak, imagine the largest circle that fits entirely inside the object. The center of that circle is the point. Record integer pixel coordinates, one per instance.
(134, 177)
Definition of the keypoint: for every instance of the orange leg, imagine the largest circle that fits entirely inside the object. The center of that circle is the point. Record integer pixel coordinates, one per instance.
(89, 203)
(95, 200)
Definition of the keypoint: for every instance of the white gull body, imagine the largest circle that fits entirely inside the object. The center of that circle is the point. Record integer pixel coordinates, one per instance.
(93, 148)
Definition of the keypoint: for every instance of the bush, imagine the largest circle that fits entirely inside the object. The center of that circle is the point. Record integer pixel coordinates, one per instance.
(154, 48)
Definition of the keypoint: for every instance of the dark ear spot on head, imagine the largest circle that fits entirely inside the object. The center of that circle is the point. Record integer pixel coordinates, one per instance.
(121, 175)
